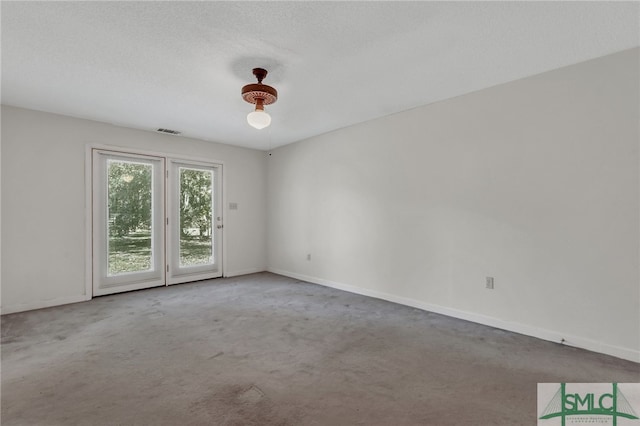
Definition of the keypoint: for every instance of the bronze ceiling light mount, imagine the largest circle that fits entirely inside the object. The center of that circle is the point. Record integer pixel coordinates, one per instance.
(260, 95)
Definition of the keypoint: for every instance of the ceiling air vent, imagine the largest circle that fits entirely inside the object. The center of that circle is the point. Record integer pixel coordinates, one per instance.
(169, 131)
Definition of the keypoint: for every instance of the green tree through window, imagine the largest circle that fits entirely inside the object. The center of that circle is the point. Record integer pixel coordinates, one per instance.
(129, 197)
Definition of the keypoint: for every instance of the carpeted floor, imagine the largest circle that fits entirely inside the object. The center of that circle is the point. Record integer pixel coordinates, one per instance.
(268, 350)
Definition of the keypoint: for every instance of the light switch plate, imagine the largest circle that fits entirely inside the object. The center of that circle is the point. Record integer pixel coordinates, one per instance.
(489, 283)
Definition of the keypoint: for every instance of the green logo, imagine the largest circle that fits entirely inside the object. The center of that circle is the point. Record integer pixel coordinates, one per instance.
(564, 404)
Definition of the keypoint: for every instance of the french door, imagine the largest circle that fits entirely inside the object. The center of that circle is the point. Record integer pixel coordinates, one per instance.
(194, 224)
(156, 221)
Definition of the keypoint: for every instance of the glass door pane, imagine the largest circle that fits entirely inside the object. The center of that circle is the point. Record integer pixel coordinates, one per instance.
(196, 222)
(129, 205)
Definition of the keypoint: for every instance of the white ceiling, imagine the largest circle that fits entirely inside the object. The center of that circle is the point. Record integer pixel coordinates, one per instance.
(181, 65)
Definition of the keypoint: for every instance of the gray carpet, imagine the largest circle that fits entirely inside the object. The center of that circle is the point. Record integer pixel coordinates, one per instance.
(268, 350)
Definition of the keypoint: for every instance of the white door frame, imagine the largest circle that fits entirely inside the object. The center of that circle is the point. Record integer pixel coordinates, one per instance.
(89, 148)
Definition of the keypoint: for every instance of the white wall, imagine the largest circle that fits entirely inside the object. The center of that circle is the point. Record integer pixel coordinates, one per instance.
(534, 182)
(43, 202)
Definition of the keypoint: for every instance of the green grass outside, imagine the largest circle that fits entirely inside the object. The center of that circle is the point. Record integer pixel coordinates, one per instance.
(132, 253)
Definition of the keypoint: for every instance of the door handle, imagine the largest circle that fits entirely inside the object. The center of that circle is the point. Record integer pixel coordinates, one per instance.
(219, 226)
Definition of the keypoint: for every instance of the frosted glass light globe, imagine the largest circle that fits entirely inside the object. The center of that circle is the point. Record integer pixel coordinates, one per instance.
(258, 119)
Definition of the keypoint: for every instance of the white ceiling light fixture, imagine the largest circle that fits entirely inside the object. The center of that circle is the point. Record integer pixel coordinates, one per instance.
(260, 95)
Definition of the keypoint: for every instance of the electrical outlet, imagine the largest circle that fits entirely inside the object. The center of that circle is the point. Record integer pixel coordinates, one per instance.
(309, 256)
(489, 283)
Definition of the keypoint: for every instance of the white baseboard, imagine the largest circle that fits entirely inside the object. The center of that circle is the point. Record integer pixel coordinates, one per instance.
(243, 272)
(40, 304)
(540, 333)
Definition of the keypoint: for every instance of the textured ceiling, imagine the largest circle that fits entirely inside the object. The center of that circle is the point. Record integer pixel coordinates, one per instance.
(180, 65)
